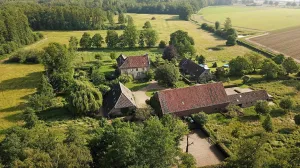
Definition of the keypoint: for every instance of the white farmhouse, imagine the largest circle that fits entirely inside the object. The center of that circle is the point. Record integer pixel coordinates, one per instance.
(137, 66)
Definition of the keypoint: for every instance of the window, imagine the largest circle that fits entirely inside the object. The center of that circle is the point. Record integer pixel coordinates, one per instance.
(137, 69)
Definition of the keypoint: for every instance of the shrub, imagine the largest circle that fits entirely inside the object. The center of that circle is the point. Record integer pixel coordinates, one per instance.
(149, 75)
(268, 124)
(215, 65)
(246, 79)
(26, 56)
(97, 77)
(162, 44)
(104, 89)
(125, 78)
(286, 103)
(113, 55)
(262, 107)
(200, 118)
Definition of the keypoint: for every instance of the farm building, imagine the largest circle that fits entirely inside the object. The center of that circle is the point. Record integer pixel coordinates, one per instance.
(137, 66)
(186, 101)
(197, 72)
(118, 101)
(246, 97)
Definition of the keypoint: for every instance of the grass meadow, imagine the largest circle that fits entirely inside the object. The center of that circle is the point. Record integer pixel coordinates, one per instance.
(262, 18)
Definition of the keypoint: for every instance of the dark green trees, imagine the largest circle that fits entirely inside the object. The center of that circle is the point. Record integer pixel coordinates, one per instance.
(97, 40)
(268, 124)
(112, 39)
(167, 74)
(239, 66)
(130, 35)
(147, 25)
(86, 41)
(262, 107)
(149, 37)
(185, 12)
(73, 43)
(183, 43)
(170, 53)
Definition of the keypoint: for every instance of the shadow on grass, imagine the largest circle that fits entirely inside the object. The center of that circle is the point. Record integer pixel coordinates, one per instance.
(249, 118)
(55, 114)
(286, 131)
(173, 18)
(26, 82)
(14, 117)
(14, 108)
(277, 113)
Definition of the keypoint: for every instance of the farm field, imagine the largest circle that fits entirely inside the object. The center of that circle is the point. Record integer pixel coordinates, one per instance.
(261, 18)
(164, 25)
(285, 41)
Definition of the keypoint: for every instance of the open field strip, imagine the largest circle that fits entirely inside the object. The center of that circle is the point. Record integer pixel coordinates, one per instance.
(261, 18)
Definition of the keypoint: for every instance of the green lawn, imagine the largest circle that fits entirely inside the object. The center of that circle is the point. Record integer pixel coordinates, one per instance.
(17, 82)
(262, 18)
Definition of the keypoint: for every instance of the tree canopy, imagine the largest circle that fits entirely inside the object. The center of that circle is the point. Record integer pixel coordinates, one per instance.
(167, 74)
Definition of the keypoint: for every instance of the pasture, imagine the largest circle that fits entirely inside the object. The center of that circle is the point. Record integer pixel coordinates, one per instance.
(285, 41)
(261, 18)
(164, 25)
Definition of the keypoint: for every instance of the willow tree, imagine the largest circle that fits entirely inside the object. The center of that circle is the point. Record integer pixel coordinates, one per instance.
(84, 99)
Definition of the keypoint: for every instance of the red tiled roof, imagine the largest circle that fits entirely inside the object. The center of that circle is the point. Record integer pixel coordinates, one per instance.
(193, 97)
(136, 62)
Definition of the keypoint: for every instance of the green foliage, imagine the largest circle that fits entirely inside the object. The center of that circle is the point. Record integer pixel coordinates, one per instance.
(73, 43)
(239, 66)
(151, 144)
(142, 39)
(268, 124)
(201, 59)
(149, 75)
(297, 119)
(30, 118)
(256, 60)
(217, 25)
(170, 53)
(112, 39)
(130, 35)
(86, 41)
(246, 79)
(186, 12)
(84, 99)
(151, 37)
(121, 18)
(125, 78)
(147, 25)
(227, 24)
(113, 55)
(271, 70)
(200, 118)
(286, 103)
(167, 74)
(262, 107)
(26, 56)
(278, 59)
(42, 147)
(103, 89)
(231, 40)
(142, 114)
(290, 65)
(162, 44)
(187, 161)
(130, 21)
(98, 77)
(97, 40)
(183, 43)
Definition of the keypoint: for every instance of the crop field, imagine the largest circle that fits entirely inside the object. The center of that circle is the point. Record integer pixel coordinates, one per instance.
(261, 18)
(285, 41)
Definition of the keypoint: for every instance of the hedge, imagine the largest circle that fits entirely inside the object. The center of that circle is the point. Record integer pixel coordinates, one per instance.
(256, 49)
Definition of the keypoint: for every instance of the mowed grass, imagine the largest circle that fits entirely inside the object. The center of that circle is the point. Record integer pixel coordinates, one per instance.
(164, 25)
(17, 82)
(262, 18)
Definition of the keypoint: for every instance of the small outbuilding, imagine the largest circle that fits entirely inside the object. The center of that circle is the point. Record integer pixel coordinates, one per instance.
(197, 72)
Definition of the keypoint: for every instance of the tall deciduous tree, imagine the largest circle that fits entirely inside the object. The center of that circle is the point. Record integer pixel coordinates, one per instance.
(290, 65)
(167, 74)
(255, 60)
(271, 70)
(86, 41)
(130, 36)
(183, 43)
(97, 40)
(170, 53)
(239, 66)
(112, 39)
(147, 25)
(227, 24)
(73, 43)
(151, 37)
(121, 18)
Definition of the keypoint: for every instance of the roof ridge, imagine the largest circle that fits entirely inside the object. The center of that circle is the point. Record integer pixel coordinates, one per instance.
(192, 86)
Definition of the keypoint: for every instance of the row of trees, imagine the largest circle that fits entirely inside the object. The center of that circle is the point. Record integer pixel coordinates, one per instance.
(14, 30)
(270, 68)
(131, 37)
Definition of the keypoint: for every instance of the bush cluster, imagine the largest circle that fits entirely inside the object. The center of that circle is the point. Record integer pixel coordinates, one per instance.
(26, 56)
